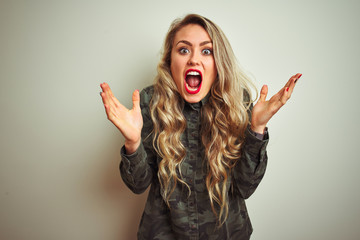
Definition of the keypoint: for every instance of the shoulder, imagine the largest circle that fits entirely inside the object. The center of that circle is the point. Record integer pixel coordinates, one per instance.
(146, 95)
(145, 99)
(246, 96)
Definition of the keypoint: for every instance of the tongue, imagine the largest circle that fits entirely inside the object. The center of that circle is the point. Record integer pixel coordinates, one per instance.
(193, 81)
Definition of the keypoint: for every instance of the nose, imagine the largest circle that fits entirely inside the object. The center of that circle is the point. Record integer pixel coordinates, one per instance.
(194, 59)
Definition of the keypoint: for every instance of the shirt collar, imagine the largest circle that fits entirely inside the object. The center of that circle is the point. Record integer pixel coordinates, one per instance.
(198, 105)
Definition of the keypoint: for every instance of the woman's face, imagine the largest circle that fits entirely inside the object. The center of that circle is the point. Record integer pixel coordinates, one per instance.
(192, 62)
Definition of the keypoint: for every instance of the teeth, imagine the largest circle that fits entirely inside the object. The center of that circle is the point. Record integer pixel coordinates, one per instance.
(194, 73)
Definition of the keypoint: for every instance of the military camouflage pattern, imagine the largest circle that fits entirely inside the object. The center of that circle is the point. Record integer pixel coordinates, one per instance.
(191, 217)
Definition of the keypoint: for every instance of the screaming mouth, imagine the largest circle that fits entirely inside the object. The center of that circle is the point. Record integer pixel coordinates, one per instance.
(193, 80)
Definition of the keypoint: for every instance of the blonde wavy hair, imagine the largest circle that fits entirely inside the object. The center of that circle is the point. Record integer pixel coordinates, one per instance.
(224, 117)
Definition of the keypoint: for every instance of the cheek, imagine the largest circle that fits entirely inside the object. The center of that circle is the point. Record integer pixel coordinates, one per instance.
(212, 69)
(176, 69)
(214, 66)
(176, 74)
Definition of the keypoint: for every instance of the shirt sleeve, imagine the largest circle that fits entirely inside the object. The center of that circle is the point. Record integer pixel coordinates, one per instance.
(259, 136)
(137, 169)
(250, 168)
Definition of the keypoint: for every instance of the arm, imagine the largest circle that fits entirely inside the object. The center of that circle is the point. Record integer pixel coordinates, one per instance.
(129, 122)
(251, 166)
(264, 110)
(135, 168)
(139, 168)
(250, 169)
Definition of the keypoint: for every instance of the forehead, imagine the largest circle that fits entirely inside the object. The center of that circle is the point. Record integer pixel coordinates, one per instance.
(193, 33)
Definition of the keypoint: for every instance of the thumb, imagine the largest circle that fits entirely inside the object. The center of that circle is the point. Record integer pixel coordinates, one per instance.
(136, 100)
(263, 93)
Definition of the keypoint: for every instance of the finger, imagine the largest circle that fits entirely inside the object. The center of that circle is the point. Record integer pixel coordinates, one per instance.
(104, 86)
(109, 108)
(108, 111)
(297, 77)
(105, 97)
(293, 81)
(106, 89)
(113, 113)
(263, 93)
(290, 84)
(286, 95)
(136, 100)
(112, 116)
(276, 97)
(109, 97)
(288, 91)
(105, 92)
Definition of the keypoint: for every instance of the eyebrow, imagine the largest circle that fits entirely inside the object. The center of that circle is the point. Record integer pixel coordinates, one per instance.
(188, 43)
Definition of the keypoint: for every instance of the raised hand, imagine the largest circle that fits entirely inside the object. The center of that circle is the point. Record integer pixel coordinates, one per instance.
(264, 110)
(128, 121)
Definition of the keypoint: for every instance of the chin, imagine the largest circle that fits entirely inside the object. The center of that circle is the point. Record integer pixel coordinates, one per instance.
(192, 98)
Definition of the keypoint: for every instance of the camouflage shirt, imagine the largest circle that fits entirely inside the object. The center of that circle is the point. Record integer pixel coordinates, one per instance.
(191, 217)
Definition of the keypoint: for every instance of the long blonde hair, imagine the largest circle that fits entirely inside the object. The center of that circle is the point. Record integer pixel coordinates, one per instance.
(224, 117)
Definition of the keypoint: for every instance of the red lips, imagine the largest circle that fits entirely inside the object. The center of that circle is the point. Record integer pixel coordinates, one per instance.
(193, 81)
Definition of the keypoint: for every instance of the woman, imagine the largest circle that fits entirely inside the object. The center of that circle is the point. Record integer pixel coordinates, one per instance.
(195, 137)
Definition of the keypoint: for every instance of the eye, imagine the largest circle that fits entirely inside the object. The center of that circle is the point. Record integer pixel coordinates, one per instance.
(183, 50)
(207, 51)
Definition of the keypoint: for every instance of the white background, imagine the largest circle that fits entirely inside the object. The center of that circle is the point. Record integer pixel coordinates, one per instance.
(59, 155)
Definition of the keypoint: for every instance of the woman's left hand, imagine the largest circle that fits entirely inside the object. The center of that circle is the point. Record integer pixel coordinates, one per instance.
(264, 110)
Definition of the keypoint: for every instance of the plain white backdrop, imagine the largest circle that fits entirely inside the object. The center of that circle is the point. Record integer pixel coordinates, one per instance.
(59, 155)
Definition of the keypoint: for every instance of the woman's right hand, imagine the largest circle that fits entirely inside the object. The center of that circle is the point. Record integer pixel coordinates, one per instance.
(129, 122)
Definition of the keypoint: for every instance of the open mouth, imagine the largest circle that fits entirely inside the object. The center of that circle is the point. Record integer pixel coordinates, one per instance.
(193, 80)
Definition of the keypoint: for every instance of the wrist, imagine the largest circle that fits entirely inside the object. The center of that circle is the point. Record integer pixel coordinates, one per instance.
(131, 147)
(258, 129)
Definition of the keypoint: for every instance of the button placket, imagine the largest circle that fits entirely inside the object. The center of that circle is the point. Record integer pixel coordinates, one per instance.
(193, 136)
